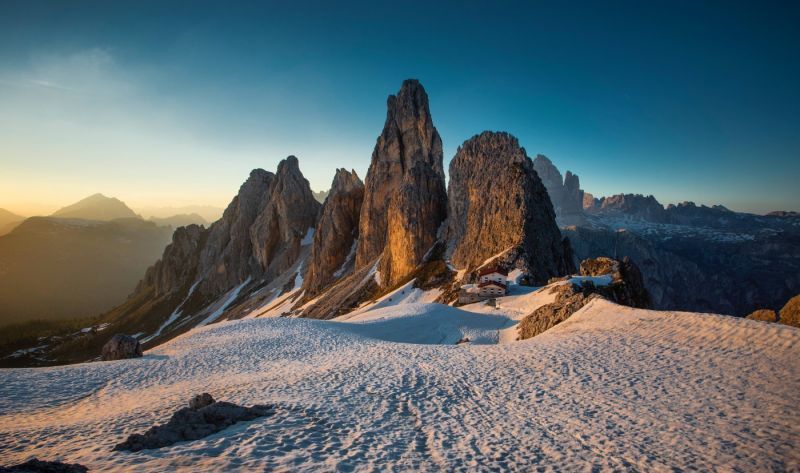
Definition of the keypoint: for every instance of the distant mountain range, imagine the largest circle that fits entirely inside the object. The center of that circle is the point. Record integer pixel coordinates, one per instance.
(57, 268)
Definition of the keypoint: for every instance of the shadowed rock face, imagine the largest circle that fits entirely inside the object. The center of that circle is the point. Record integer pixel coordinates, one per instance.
(121, 347)
(178, 266)
(498, 204)
(38, 466)
(290, 211)
(565, 194)
(203, 417)
(227, 258)
(404, 183)
(336, 233)
(626, 288)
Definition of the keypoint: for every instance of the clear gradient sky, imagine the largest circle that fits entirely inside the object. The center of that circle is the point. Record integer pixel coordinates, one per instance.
(173, 103)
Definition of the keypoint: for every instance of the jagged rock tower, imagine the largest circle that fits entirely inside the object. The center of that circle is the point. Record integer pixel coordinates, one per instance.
(499, 209)
(404, 197)
(333, 250)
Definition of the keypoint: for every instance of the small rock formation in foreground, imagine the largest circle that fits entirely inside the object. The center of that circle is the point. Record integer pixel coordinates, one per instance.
(333, 251)
(121, 347)
(405, 199)
(788, 315)
(499, 208)
(39, 466)
(203, 417)
(764, 315)
(626, 288)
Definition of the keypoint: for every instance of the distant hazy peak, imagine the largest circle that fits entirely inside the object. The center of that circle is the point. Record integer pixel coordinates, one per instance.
(97, 207)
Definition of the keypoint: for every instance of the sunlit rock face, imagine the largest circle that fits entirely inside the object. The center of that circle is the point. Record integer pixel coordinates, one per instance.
(405, 199)
(332, 253)
(498, 206)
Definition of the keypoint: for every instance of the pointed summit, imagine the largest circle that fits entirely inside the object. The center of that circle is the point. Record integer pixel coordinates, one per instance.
(404, 198)
(332, 253)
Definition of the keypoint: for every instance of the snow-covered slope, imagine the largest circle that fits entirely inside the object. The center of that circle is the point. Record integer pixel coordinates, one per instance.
(610, 388)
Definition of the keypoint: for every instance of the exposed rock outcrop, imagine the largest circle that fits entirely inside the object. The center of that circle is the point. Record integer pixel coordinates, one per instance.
(284, 220)
(569, 299)
(626, 287)
(499, 208)
(178, 266)
(228, 257)
(565, 193)
(333, 249)
(790, 313)
(764, 315)
(121, 347)
(404, 183)
(39, 466)
(203, 417)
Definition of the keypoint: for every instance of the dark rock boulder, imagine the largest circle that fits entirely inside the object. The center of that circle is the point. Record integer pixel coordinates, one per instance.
(121, 347)
(405, 179)
(203, 417)
(499, 208)
(39, 466)
(332, 252)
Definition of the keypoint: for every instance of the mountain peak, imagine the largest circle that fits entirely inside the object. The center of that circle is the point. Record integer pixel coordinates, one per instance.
(96, 207)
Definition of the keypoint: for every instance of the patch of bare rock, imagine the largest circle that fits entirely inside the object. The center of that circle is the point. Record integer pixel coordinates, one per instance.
(121, 347)
(203, 417)
(626, 288)
(788, 315)
(38, 466)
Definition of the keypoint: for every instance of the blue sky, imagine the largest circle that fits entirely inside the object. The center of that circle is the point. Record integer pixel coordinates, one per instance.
(172, 103)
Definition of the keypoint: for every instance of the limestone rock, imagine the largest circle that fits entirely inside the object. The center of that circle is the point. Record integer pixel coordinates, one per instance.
(39, 466)
(790, 313)
(626, 288)
(764, 315)
(192, 423)
(227, 258)
(598, 266)
(565, 193)
(332, 252)
(121, 347)
(499, 206)
(406, 167)
(284, 220)
(178, 266)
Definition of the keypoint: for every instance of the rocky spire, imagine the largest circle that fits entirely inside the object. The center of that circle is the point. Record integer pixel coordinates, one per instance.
(404, 195)
(499, 206)
(565, 194)
(227, 258)
(284, 219)
(333, 250)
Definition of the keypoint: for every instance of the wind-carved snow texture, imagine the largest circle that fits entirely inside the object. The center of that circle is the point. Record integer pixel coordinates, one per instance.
(611, 388)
